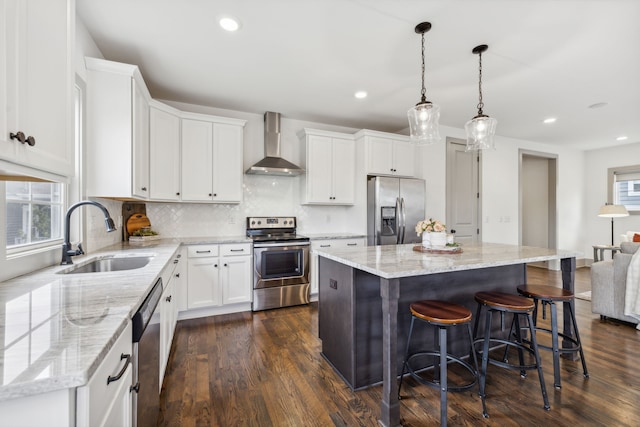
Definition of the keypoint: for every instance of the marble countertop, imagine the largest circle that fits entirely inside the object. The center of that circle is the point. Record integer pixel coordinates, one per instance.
(330, 236)
(395, 261)
(55, 329)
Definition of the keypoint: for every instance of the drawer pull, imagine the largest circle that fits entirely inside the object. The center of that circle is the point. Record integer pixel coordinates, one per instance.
(119, 375)
(352, 244)
(236, 250)
(325, 246)
(204, 252)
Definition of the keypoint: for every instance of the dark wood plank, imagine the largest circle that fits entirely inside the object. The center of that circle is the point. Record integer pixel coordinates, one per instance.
(265, 369)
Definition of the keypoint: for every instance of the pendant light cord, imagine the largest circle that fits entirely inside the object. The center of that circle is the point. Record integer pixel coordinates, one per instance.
(480, 103)
(424, 90)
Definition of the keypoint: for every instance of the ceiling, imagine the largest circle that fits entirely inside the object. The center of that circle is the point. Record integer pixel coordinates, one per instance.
(306, 59)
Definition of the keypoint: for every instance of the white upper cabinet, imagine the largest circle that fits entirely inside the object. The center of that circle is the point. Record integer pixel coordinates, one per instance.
(164, 152)
(387, 154)
(36, 84)
(212, 150)
(329, 160)
(117, 130)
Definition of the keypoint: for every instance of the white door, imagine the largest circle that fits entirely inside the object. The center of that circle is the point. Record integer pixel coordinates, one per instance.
(197, 155)
(203, 287)
(463, 194)
(164, 157)
(236, 279)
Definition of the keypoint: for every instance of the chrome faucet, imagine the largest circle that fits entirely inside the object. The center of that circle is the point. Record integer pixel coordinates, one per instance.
(67, 249)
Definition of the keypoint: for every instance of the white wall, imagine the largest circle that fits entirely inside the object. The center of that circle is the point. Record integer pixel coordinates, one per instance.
(500, 186)
(597, 163)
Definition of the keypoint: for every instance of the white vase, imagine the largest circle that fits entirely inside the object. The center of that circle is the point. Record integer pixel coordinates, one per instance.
(426, 241)
(438, 240)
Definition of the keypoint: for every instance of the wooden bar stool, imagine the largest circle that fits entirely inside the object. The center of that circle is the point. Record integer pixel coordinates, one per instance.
(517, 306)
(444, 315)
(550, 295)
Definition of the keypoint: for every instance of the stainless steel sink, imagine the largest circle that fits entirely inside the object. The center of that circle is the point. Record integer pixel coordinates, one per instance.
(110, 263)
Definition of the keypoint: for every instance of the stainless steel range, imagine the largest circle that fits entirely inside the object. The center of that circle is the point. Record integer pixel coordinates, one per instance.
(281, 263)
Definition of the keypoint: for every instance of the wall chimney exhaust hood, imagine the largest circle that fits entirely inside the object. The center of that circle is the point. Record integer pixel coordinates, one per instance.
(273, 164)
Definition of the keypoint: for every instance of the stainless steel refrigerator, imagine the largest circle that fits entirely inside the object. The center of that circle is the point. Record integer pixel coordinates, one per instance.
(394, 207)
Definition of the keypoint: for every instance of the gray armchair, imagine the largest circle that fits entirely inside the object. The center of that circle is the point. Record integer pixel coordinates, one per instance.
(609, 283)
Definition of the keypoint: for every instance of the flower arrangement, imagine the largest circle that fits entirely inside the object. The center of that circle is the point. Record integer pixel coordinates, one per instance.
(431, 225)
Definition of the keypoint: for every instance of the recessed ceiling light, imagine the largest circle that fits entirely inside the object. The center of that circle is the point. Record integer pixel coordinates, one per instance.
(598, 105)
(229, 23)
(361, 94)
(622, 138)
(549, 120)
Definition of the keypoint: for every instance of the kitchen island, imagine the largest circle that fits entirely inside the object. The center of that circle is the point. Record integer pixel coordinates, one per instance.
(365, 292)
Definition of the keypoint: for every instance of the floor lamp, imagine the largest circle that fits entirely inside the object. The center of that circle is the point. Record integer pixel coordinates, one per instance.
(612, 211)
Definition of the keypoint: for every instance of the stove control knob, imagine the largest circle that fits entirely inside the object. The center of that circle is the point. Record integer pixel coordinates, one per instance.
(259, 222)
(253, 223)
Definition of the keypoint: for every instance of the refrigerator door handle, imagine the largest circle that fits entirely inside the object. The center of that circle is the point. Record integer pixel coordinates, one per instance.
(403, 215)
(398, 221)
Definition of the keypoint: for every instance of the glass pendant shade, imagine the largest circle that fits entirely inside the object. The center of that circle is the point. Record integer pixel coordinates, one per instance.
(423, 123)
(480, 132)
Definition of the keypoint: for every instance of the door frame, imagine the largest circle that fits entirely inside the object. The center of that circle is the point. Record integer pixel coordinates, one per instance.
(448, 189)
(552, 214)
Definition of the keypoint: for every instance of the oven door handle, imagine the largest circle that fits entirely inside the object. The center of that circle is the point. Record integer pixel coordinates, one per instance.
(279, 245)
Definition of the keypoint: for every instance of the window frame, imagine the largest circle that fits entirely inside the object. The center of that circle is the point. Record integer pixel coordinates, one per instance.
(611, 184)
(17, 250)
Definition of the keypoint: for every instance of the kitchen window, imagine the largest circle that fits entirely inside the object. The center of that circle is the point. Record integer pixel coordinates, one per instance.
(33, 214)
(624, 187)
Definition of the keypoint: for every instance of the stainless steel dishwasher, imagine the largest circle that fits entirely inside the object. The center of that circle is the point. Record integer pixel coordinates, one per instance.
(146, 360)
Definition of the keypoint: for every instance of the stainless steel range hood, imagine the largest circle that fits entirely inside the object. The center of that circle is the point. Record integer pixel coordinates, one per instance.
(273, 164)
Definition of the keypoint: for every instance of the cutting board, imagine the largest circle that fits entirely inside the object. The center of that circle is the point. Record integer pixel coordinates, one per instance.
(136, 222)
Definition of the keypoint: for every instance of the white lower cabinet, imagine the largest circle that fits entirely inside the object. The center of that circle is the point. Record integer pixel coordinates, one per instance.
(218, 275)
(106, 399)
(169, 310)
(325, 244)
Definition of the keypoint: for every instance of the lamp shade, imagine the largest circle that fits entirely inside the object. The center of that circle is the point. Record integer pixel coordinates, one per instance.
(613, 211)
(423, 123)
(480, 132)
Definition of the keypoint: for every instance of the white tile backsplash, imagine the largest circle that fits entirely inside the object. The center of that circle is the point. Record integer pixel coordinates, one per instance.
(262, 196)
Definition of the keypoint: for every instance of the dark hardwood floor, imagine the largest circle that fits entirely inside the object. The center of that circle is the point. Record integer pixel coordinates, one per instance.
(265, 369)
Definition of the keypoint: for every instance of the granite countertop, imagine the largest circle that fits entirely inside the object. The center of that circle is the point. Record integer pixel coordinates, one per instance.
(331, 236)
(395, 261)
(57, 328)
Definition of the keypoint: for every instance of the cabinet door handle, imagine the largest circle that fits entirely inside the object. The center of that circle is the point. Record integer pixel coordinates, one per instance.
(168, 299)
(175, 261)
(119, 375)
(204, 252)
(177, 194)
(20, 136)
(215, 265)
(144, 188)
(226, 265)
(177, 274)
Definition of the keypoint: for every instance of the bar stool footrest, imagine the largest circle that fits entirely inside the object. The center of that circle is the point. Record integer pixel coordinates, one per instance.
(436, 384)
(503, 364)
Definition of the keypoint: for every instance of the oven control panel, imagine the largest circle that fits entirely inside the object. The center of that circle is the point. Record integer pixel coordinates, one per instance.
(262, 222)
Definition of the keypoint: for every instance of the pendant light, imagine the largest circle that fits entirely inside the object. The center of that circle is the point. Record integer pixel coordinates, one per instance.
(482, 128)
(423, 118)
